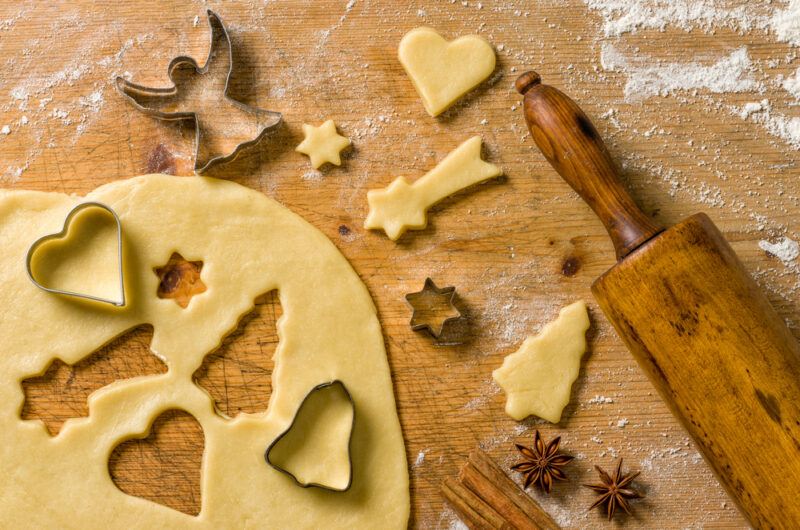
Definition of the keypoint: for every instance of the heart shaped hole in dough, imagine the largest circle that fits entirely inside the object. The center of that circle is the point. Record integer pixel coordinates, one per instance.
(164, 467)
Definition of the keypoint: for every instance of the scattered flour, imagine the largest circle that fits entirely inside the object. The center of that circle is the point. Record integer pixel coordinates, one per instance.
(753, 107)
(729, 74)
(629, 16)
(420, 459)
(600, 400)
(785, 249)
(792, 84)
(312, 175)
(5, 130)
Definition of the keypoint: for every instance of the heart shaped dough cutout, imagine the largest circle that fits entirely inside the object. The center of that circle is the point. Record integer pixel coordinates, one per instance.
(444, 71)
(84, 259)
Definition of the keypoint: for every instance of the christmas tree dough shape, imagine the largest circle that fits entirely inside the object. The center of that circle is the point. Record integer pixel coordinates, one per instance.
(537, 378)
(444, 71)
(250, 245)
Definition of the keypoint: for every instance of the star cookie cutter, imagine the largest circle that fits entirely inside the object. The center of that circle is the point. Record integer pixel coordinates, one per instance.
(424, 313)
(139, 96)
(268, 452)
(63, 233)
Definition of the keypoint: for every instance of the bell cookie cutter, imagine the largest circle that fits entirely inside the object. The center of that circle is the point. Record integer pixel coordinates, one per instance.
(130, 91)
(418, 321)
(63, 233)
(272, 445)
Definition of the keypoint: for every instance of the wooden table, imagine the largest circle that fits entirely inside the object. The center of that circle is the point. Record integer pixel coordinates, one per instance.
(517, 248)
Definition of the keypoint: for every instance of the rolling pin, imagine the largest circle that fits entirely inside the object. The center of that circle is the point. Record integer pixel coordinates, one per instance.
(696, 322)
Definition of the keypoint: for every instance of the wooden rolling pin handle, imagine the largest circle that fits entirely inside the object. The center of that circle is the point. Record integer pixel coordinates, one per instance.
(574, 148)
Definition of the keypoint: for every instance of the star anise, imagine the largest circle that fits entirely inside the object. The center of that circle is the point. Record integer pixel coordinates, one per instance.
(542, 463)
(615, 491)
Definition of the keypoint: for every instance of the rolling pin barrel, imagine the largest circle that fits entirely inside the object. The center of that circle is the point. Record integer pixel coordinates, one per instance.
(706, 335)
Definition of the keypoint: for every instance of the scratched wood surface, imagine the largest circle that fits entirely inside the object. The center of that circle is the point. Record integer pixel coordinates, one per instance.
(517, 248)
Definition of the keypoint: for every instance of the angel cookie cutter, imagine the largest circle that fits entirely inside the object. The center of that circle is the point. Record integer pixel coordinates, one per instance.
(166, 103)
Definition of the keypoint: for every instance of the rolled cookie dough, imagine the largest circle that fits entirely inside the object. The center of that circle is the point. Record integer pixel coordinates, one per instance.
(538, 377)
(250, 245)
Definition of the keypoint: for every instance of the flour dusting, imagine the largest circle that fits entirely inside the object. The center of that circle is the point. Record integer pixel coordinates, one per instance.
(728, 74)
(785, 249)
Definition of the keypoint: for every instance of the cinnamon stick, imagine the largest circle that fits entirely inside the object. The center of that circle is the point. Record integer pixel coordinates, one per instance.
(476, 513)
(487, 498)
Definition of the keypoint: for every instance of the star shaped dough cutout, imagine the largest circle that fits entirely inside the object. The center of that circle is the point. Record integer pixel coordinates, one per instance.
(323, 144)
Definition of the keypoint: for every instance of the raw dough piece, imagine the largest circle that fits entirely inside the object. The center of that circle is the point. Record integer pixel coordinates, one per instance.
(402, 206)
(322, 144)
(249, 245)
(538, 377)
(444, 71)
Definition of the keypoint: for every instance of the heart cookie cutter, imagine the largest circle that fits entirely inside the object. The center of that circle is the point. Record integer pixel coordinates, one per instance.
(131, 91)
(268, 452)
(60, 235)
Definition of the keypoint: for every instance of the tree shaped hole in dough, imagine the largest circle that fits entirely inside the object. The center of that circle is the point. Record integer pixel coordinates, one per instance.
(538, 377)
(249, 245)
(238, 375)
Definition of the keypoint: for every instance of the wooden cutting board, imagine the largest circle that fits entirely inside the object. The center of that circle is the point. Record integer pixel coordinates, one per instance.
(516, 248)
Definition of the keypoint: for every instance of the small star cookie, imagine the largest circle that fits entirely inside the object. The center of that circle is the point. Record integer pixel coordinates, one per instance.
(322, 144)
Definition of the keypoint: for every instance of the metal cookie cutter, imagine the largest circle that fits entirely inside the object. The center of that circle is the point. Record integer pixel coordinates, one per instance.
(432, 308)
(60, 235)
(153, 101)
(268, 453)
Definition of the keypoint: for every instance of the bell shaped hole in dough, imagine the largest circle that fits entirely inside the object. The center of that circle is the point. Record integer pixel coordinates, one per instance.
(85, 260)
(163, 465)
(238, 375)
(315, 450)
(61, 391)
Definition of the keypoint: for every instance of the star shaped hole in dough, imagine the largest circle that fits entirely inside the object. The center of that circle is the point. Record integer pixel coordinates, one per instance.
(180, 280)
(323, 144)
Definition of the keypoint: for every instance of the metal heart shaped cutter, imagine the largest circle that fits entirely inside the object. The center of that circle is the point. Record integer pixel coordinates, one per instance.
(37, 245)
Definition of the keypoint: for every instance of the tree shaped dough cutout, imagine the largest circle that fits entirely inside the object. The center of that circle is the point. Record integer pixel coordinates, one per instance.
(537, 378)
(249, 245)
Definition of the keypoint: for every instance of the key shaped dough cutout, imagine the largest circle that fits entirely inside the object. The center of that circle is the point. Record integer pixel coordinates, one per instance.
(444, 71)
(537, 378)
(250, 245)
(402, 206)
